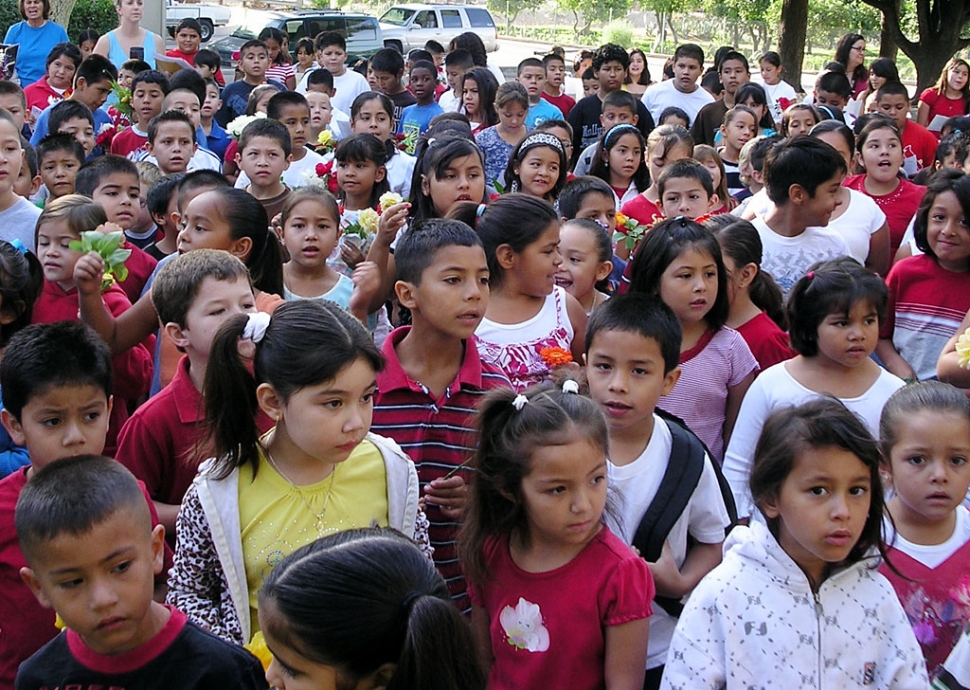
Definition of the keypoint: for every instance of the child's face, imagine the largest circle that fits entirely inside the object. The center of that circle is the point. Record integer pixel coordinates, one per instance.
(371, 78)
(626, 378)
(12, 104)
(689, 285)
(800, 122)
(674, 119)
(373, 119)
(186, 103)
(956, 77)
(453, 293)
(759, 110)
(146, 101)
(216, 302)
(205, 71)
(453, 74)
(538, 263)
(610, 76)
(470, 98)
(423, 83)
(387, 82)
(581, 267)
(87, 47)
(947, 232)
(625, 158)
(539, 171)
(304, 57)
(881, 155)
(769, 73)
(25, 185)
(838, 142)
(565, 138)
(262, 101)
(212, 102)
(733, 74)
(11, 156)
(101, 581)
(929, 467)
(555, 74)
(686, 72)
(188, 40)
(591, 87)
(819, 530)
(333, 58)
(714, 169)
(829, 98)
(739, 131)
(57, 171)
(296, 119)
(263, 161)
(599, 207)
(512, 116)
(685, 196)
(462, 180)
(895, 106)
(310, 234)
(321, 110)
(60, 73)
(357, 178)
(617, 115)
(83, 132)
(847, 340)
(144, 221)
(254, 62)
(118, 195)
(55, 254)
(818, 210)
(173, 147)
(125, 77)
(204, 226)
(534, 81)
(92, 95)
(876, 82)
(273, 46)
(658, 158)
(61, 421)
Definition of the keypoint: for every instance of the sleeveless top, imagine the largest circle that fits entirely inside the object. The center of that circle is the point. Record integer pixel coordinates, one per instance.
(514, 347)
(117, 55)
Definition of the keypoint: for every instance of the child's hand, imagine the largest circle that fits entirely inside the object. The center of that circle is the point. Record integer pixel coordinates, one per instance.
(450, 495)
(367, 283)
(88, 273)
(666, 574)
(392, 220)
(109, 227)
(351, 254)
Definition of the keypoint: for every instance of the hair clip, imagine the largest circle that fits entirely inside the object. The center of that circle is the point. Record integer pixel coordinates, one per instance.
(520, 402)
(810, 275)
(256, 327)
(480, 211)
(18, 245)
(570, 386)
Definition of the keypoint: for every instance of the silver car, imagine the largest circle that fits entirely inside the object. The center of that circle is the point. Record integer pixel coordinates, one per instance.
(406, 27)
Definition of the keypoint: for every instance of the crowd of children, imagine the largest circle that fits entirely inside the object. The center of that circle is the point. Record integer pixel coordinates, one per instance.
(414, 377)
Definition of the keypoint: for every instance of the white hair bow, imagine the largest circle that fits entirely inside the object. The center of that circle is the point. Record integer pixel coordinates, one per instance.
(256, 327)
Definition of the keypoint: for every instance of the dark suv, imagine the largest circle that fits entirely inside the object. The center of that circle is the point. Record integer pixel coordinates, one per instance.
(362, 32)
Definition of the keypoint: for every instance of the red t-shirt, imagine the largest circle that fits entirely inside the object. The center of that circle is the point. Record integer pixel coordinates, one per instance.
(942, 105)
(899, 205)
(190, 58)
(642, 210)
(127, 141)
(563, 101)
(41, 95)
(767, 342)
(918, 143)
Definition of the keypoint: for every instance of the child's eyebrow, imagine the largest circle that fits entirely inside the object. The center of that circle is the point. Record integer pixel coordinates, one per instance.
(110, 557)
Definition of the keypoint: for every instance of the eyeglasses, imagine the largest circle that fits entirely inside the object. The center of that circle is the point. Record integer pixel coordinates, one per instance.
(861, 49)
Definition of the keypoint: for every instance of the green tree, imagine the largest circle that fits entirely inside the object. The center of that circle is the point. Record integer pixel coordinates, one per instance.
(509, 9)
(585, 12)
(99, 15)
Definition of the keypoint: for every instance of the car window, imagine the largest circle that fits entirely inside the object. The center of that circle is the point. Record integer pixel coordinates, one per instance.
(295, 30)
(250, 31)
(426, 19)
(398, 16)
(450, 19)
(361, 29)
(479, 18)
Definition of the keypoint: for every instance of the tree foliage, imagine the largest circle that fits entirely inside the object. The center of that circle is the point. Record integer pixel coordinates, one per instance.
(585, 12)
(509, 9)
(99, 15)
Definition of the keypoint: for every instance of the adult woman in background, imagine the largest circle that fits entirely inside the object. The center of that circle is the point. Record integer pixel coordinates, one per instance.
(851, 52)
(36, 35)
(117, 44)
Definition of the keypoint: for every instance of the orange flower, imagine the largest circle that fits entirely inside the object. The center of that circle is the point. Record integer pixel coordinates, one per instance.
(620, 219)
(555, 356)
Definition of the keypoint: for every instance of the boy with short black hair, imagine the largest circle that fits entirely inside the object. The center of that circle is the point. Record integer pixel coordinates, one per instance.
(84, 520)
(591, 85)
(162, 205)
(682, 90)
(833, 89)
(92, 85)
(619, 108)
(919, 144)
(803, 179)
(437, 53)
(532, 75)
(148, 91)
(686, 188)
(733, 71)
(555, 68)
(208, 64)
(264, 154)
(28, 181)
(415, 119)
(253, 63)
(632, 355)
(331, 50)
(171, 141)
(129, 70)
(457, 62)
(185, 100)
(17, 215)
(188, 38)
(14, 101)
(74, 118)
(59, 157)
(433, 377)
(217, 139)
(388, 67)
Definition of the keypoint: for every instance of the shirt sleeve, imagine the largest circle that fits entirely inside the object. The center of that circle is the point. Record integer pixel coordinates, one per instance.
(628, 592)
(888, 323)
(708, 516)
(695, 659)
(742, 361)
(740, 451)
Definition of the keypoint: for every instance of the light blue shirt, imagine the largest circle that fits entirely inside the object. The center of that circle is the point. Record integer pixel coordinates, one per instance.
(35, 46)
(540, 112)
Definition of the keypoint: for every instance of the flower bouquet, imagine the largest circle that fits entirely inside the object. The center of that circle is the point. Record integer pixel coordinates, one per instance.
(108, 246)
(235, 128)
(360, 232)
(324, 176)
(629, 232)
(387, 200)
(326, 143)
(963, 349)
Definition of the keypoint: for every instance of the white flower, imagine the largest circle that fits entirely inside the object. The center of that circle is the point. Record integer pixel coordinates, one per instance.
(523, 626)
(236, 127)
(389, 199)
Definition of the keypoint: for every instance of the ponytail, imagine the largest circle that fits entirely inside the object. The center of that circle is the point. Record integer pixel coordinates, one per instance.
(740, 240)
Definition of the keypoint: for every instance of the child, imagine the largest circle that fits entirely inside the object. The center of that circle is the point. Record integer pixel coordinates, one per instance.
(171, 141)
(666, 144)
(12, 100)
(361, 174)
(304, 57)
(187, 100)
(527, 311)
(479, 87)
(216, 137)
(553, 91)
(497, 142)
(148, 90)
(75, 119)
(681, 262)
(672, 115)
(929, 293)
(833, 321)
(740, 126)
(331, 48)
(388, 67)
(188, 38)
(280, 68)
(807, 552)
(86, 41)
(591, 84)
(711, 159)
(832, 89)
(449, 171)
(733, 72)
(101, 535)
(780, 92)
(925, 431)
(434, 377)
(321, 113)
(255, 107)
(752, 169)
(631, 360)
(562, 131)
(143, 232)
(253, 63)
(317, 472)
(587, 254)
(92, 84)
(532, 75)
(162, 205)
(28, 182)
(457, 62)
(638, 75)
(372, 113)
(367, 577)
(919, 145)
(525, 556)
(950, 97)
(879, 151)
(264, 154)
(798, 118)
(619, 161)
(803, 177)
(756, 308)
(619, 108)
(62, 62)
(416, 118)
(127, 72)
(209, 65)
(538, 167)
(755, 97)
(17, 215)
(686, 189)
(682, 90)
(589, 198)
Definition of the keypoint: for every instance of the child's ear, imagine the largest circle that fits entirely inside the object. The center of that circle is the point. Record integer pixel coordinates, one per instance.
(747, 274)
(30, 579)
(635, 120)
(177, 334)
(13, 427)
(380, 174)
(425, 186)
(769, 506)
(604, 270)
(158, 548)
(758, 176)
(505, 256)
(797, 194)
(405, 294)
(270, 402)
(35, 185)
(670, 380)
(713, 203)
(240, 248)
(238, 159)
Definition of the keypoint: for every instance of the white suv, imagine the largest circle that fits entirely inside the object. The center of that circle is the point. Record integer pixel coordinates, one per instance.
(406, 27)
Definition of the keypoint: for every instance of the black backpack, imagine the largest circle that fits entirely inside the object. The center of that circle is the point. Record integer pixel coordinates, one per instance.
(687, 458)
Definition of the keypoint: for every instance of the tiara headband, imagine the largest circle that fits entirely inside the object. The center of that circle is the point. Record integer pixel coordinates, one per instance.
(620, 130)
(540, 139)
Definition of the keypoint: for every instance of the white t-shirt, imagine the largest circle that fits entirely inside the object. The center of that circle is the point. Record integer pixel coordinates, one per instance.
(788, 258)
(862, 219)
(294, 176)
(659, 97)
(704, 519)
(400, 169)
(780, 90)
(931, 555)
(775, 388)
(347, 87)
(18, 222)
(449, 102)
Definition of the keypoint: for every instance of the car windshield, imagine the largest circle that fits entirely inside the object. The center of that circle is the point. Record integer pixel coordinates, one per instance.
(398, 16)
(249, 32)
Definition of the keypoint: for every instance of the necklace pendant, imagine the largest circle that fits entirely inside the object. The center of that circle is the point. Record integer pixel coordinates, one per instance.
(321, 527)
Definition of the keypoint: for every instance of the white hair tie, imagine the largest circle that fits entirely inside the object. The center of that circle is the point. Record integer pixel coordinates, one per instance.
(570, 386)
(256, 327)
(519, 402)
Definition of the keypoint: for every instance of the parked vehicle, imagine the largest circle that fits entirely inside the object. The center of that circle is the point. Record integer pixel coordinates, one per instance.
(362, 32)
(410, 26)
(209, 16)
